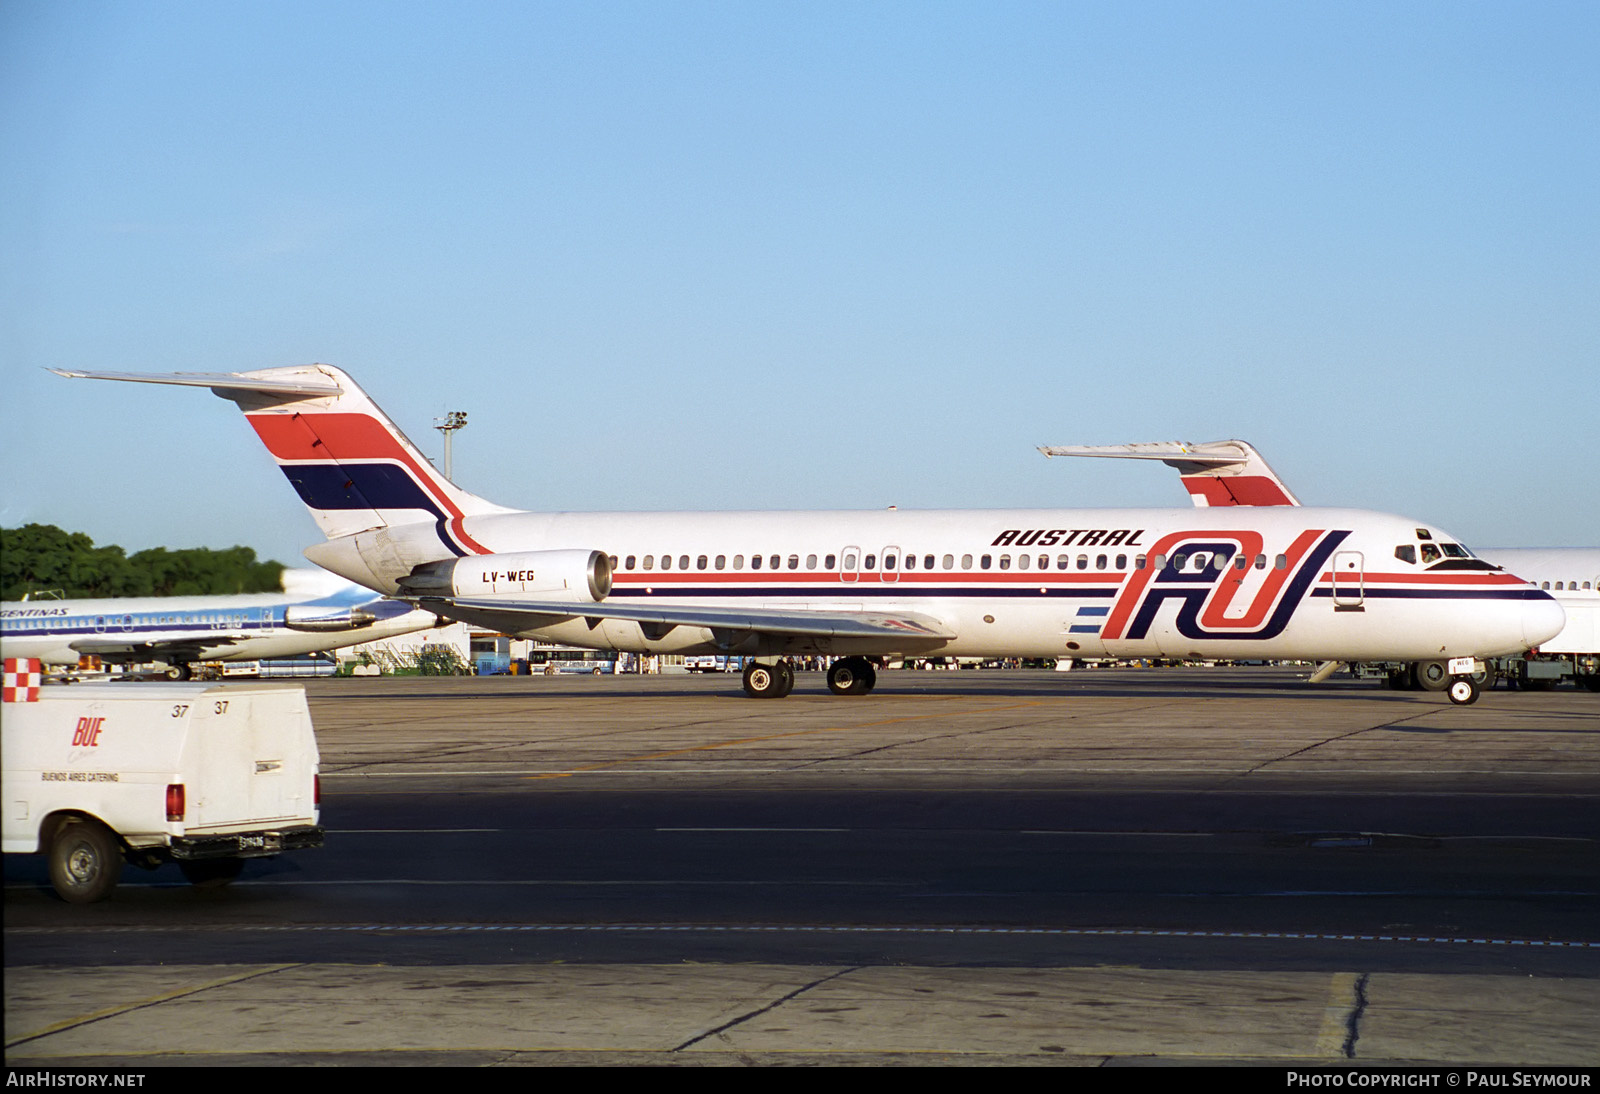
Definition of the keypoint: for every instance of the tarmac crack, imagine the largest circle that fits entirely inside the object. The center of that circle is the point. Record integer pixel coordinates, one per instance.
(773, 1005)
(1335, 738)
(1353, 1023)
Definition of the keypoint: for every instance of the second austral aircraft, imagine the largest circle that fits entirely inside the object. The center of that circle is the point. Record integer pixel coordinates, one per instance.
(1268, 583)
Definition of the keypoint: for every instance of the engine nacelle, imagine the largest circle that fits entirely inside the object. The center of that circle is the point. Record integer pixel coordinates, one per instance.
(575, 576)
(310, 617)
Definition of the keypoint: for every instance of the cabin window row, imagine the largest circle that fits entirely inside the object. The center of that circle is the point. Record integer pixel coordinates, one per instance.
(910, 562)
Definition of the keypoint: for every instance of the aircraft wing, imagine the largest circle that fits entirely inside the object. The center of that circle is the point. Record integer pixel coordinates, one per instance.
(800, 622)
(108, 646)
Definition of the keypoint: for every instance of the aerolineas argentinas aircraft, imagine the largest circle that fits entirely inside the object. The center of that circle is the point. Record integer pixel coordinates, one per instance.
(1331, 584)
(178, 630)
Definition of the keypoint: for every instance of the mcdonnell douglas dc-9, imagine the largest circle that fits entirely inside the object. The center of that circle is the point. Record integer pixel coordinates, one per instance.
(1269, 583)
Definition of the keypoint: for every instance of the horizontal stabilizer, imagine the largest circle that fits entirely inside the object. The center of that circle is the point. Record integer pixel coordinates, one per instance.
(1216, 473)
(217, 381)
(351, 465)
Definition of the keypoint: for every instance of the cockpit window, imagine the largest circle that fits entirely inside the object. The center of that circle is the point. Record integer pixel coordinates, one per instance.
(1430, 553)
(1455, 550)
(1406, 553)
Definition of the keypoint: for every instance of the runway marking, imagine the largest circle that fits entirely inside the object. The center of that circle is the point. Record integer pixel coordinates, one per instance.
(779, 830)
(604, 764)
(150, 1001)
(418, 831)
(701, 928)
(968, 768)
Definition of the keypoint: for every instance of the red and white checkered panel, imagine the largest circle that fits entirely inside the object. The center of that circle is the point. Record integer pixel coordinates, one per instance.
(23, 675)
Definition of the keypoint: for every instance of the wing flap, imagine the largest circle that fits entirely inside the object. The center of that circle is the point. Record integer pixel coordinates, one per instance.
(804, 622)
(101, 647)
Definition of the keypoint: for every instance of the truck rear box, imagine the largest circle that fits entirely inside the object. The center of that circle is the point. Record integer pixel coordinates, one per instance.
(187, 772)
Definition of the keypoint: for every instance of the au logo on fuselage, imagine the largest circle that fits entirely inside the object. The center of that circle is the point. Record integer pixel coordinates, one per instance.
(1206, 593)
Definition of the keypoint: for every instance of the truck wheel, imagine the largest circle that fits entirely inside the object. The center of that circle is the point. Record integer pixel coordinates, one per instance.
(85, 861)
(210, 873)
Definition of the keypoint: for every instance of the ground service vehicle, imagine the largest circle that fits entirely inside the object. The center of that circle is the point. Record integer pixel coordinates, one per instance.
(206, 776)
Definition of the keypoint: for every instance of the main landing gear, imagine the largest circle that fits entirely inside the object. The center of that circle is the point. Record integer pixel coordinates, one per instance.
(847, 676)
(762, 681)
(852, 676)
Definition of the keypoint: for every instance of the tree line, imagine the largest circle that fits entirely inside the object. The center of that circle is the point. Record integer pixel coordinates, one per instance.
(38, 558)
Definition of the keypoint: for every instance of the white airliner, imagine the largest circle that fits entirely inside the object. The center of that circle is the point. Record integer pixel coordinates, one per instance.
(1239, 583)
(176, 630)
(1233, 473)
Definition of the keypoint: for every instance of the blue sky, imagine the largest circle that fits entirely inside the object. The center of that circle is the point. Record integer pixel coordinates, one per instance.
(807, 255)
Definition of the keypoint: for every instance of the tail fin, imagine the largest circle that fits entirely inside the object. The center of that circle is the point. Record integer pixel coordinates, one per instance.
(1216, 473)
(350, 464)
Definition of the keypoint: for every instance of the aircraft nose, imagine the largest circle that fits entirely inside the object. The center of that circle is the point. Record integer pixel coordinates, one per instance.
(1542, 620)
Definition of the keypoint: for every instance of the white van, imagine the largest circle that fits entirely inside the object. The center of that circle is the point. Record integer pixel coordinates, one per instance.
(206, 775)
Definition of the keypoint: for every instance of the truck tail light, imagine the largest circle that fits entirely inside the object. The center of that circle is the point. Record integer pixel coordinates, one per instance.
(316, 790)
(175, 801)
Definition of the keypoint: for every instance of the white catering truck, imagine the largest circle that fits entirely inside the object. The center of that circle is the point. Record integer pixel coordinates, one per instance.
(204, 775)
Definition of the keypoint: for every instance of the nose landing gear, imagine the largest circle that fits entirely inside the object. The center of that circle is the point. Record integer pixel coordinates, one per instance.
(1463, 691)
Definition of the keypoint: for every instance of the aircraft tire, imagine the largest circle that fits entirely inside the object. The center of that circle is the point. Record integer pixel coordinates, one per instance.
(786, 678)
(766, 681)
(85, 861)
(1463, 691)
(851, 676)
(1432, 675)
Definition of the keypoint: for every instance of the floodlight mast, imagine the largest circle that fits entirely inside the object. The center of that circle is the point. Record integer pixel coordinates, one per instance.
(454, 420)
